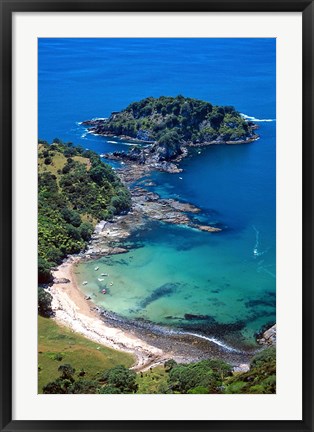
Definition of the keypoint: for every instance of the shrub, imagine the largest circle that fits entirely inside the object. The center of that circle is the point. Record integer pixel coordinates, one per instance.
(44, 302)
(121, 378)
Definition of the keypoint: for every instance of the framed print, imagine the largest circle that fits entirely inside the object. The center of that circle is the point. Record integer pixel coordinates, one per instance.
(156, 203)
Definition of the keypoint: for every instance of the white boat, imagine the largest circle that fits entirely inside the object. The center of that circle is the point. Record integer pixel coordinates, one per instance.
(100, 280)
(85, 283)
(104, 274)
(96, 268)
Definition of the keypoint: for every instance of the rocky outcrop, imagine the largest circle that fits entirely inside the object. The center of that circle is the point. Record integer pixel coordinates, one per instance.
(61, 280)
(268, 337)
(146, 205)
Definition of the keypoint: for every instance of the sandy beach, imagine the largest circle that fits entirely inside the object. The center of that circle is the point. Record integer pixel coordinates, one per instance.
(74, 311)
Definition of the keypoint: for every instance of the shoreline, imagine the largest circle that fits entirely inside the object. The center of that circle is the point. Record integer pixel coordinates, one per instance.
(72, 310)
(150, 348)
(146, 162)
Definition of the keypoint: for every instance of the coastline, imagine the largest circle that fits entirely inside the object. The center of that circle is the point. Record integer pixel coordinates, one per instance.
(72, 310)
(149, 347)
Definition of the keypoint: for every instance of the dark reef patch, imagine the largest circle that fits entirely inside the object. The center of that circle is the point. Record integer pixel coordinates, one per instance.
(185, 246)
(162, 291)
(260, 302)
(189, 317)
(210, 327)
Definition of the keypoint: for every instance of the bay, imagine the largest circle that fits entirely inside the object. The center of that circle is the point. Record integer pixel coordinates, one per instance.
(228, 278)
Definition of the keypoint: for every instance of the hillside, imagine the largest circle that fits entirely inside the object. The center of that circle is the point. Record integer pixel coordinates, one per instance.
(210, 376)
(58, 345)
(75, 190)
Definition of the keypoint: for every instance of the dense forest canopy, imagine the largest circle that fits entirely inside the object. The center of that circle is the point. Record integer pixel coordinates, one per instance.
(194, 121)
(75, 190)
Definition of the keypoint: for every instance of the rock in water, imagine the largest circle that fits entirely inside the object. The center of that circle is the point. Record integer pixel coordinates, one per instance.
(268, 338)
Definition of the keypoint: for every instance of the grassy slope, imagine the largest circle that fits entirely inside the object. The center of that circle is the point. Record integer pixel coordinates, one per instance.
(58, 162)
(75, 350)
(152, 381)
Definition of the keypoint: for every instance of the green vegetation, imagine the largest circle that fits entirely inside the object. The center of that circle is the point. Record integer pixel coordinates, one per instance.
(59, 346)
(119, 378)
(193, 120)
(44, 302)
(204, 377)
(75, 190)
(261, 378)
(207, 374)
(154, 381)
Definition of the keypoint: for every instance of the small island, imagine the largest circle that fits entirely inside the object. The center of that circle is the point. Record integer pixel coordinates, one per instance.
(168, 126)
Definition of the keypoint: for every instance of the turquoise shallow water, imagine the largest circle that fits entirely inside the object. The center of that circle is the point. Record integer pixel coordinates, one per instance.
(220, 285)
(175, 272)
(228, 278)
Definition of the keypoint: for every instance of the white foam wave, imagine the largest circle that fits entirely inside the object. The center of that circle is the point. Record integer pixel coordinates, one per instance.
(168, 331)
(214, 340)
(254, 119)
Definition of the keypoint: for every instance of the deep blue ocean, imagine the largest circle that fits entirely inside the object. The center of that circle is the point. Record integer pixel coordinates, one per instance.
(230, 277)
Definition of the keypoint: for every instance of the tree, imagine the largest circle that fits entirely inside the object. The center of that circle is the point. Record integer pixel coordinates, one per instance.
(44, 302)
(107, 389)
(71, 216)
(206, 373)
(67, 372)
(86, 230)
(63, 384)
(169, 144)
(169, 364)
(55, 387)
(83, 386)
(268, 355)
(44, 273)
(97, 174)
(121, 378)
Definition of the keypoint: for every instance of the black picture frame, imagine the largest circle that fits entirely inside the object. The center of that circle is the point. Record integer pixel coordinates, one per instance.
(7, 9)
